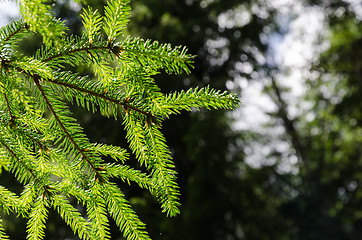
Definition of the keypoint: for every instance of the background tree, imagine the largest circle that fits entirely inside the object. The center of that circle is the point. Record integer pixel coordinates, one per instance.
(332, 138)
(265, 202)
(223, 197)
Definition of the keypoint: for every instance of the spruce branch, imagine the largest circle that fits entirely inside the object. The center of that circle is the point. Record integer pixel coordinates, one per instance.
(127, 174)
(72, 217)
(21, 168)
(13, 33)
(121, 211)
(106, 96)
(36, 222)
(117, 153)
(81, 151)
(61, 55)
(117, 15)
(55, 115)
(148, 145)
(9, 201)
(37, 15)
(46, 148)
(92, 23)
(12, 117)
(163, 171)
(155, 55)
(97, 213)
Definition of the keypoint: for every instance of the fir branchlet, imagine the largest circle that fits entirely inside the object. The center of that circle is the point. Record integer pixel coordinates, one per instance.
(46, 149)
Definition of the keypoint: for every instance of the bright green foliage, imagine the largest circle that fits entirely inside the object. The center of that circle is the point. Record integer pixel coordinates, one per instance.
(38, 16)
(92, 21)
(2, 231)
(47, 150)
(117, 16)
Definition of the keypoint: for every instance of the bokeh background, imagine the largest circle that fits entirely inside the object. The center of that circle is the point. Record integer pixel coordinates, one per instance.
(287, 164)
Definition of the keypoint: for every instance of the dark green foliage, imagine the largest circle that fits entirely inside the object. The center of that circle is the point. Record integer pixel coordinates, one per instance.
(44, 146)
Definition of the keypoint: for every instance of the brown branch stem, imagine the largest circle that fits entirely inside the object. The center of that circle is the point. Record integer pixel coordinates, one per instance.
(36, 79)
(126, 106)
(85, 49)
(14, 33)
(12, 117)
(18, 159)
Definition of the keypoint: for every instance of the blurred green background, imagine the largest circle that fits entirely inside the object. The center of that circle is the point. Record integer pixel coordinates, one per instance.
(288, 163)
